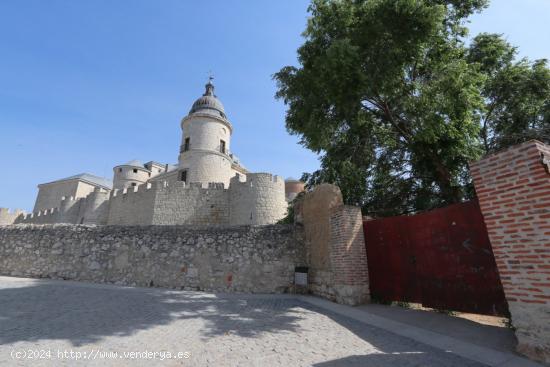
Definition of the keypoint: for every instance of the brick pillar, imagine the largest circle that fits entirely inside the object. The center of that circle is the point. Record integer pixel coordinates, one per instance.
(348, 255)
(513, 187)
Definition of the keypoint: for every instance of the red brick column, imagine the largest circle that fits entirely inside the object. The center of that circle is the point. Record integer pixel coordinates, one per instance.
(348, 255)
(513, 187)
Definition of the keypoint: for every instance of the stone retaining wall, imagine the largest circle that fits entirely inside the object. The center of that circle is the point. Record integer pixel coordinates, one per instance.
(335, 246)
(221, 259)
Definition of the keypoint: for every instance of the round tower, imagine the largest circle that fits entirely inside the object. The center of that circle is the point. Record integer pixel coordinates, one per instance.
(257, 201)
(130, 174)
(292, 188)
(206, 138)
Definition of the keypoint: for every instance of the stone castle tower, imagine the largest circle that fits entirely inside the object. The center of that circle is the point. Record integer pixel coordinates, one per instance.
(208, 186)
(206, 136)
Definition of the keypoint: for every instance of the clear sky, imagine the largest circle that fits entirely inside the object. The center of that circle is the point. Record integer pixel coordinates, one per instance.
(86, 85)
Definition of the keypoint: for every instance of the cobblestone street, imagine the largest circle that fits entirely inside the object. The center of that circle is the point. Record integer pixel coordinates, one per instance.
(94, 320)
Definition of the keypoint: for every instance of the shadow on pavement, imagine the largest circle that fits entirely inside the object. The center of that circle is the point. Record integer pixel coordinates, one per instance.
(85, 313)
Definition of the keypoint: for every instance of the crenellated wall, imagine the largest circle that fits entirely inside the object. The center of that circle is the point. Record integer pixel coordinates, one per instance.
(8, 217)
(258, 200)
(41, 217)
(95, 208)
(255, 199)
(192, 204)
(134, 205)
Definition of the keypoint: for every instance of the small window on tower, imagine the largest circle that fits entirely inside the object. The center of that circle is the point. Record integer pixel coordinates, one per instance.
(183, 176)
(135, 170)
(222, 146)
(186, 145)
(120, 170)
(133, 184)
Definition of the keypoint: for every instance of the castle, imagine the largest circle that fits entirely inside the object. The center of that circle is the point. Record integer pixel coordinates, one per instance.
(208, 186)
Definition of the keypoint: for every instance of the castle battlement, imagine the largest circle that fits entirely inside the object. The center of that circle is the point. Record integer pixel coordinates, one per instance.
(4, 211)
(46, 212)
(9, 216)
(256, 177)
(216, 186)
(144, 187)
(153, 185)
(263, 176)
(256, 198)
(50, 215)
(200, 190)
(164, 185)
(67, 199)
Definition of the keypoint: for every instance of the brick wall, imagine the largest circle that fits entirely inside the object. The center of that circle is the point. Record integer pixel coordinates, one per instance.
(335, 244)
(513, 187)
(313, 210)
(348, 255)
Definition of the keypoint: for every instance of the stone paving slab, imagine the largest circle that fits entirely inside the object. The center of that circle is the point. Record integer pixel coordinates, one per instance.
(476, 352)
(96, 321)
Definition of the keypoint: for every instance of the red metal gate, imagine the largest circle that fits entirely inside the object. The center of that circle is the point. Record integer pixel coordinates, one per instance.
(441, 259)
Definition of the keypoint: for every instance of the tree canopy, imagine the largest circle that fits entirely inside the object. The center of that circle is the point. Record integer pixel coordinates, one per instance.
(396, 104)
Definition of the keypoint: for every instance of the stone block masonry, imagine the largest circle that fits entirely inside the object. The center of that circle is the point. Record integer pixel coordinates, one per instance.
(248, 259)
(257, 200)
(335, 246)
(313, 210)
(513, 187)
(9, 217)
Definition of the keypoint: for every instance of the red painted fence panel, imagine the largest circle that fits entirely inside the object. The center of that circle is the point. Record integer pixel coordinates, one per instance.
(441, 259)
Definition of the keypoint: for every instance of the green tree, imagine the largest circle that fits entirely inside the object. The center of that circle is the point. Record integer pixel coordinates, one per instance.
(393, 100)
(517, 94)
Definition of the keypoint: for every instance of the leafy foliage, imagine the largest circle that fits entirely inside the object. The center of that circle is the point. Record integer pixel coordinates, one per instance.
(397, 105)
(517, 94)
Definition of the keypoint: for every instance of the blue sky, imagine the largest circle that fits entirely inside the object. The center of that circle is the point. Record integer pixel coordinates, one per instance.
(86, 85)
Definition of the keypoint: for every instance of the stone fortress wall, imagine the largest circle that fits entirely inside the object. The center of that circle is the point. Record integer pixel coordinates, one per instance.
(260, 199)
(50, 194)
(133, 205)
(257, 200)
(209, 186)
(92, 209)
(9, 216)
(219, 259)
(192, 204)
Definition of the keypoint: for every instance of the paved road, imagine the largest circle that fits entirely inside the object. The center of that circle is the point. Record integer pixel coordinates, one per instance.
(54, 318)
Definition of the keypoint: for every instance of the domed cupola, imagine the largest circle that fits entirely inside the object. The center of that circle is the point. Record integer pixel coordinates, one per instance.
(208, 103)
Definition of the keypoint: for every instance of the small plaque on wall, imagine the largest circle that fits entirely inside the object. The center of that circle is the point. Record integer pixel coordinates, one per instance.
(300, 276)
